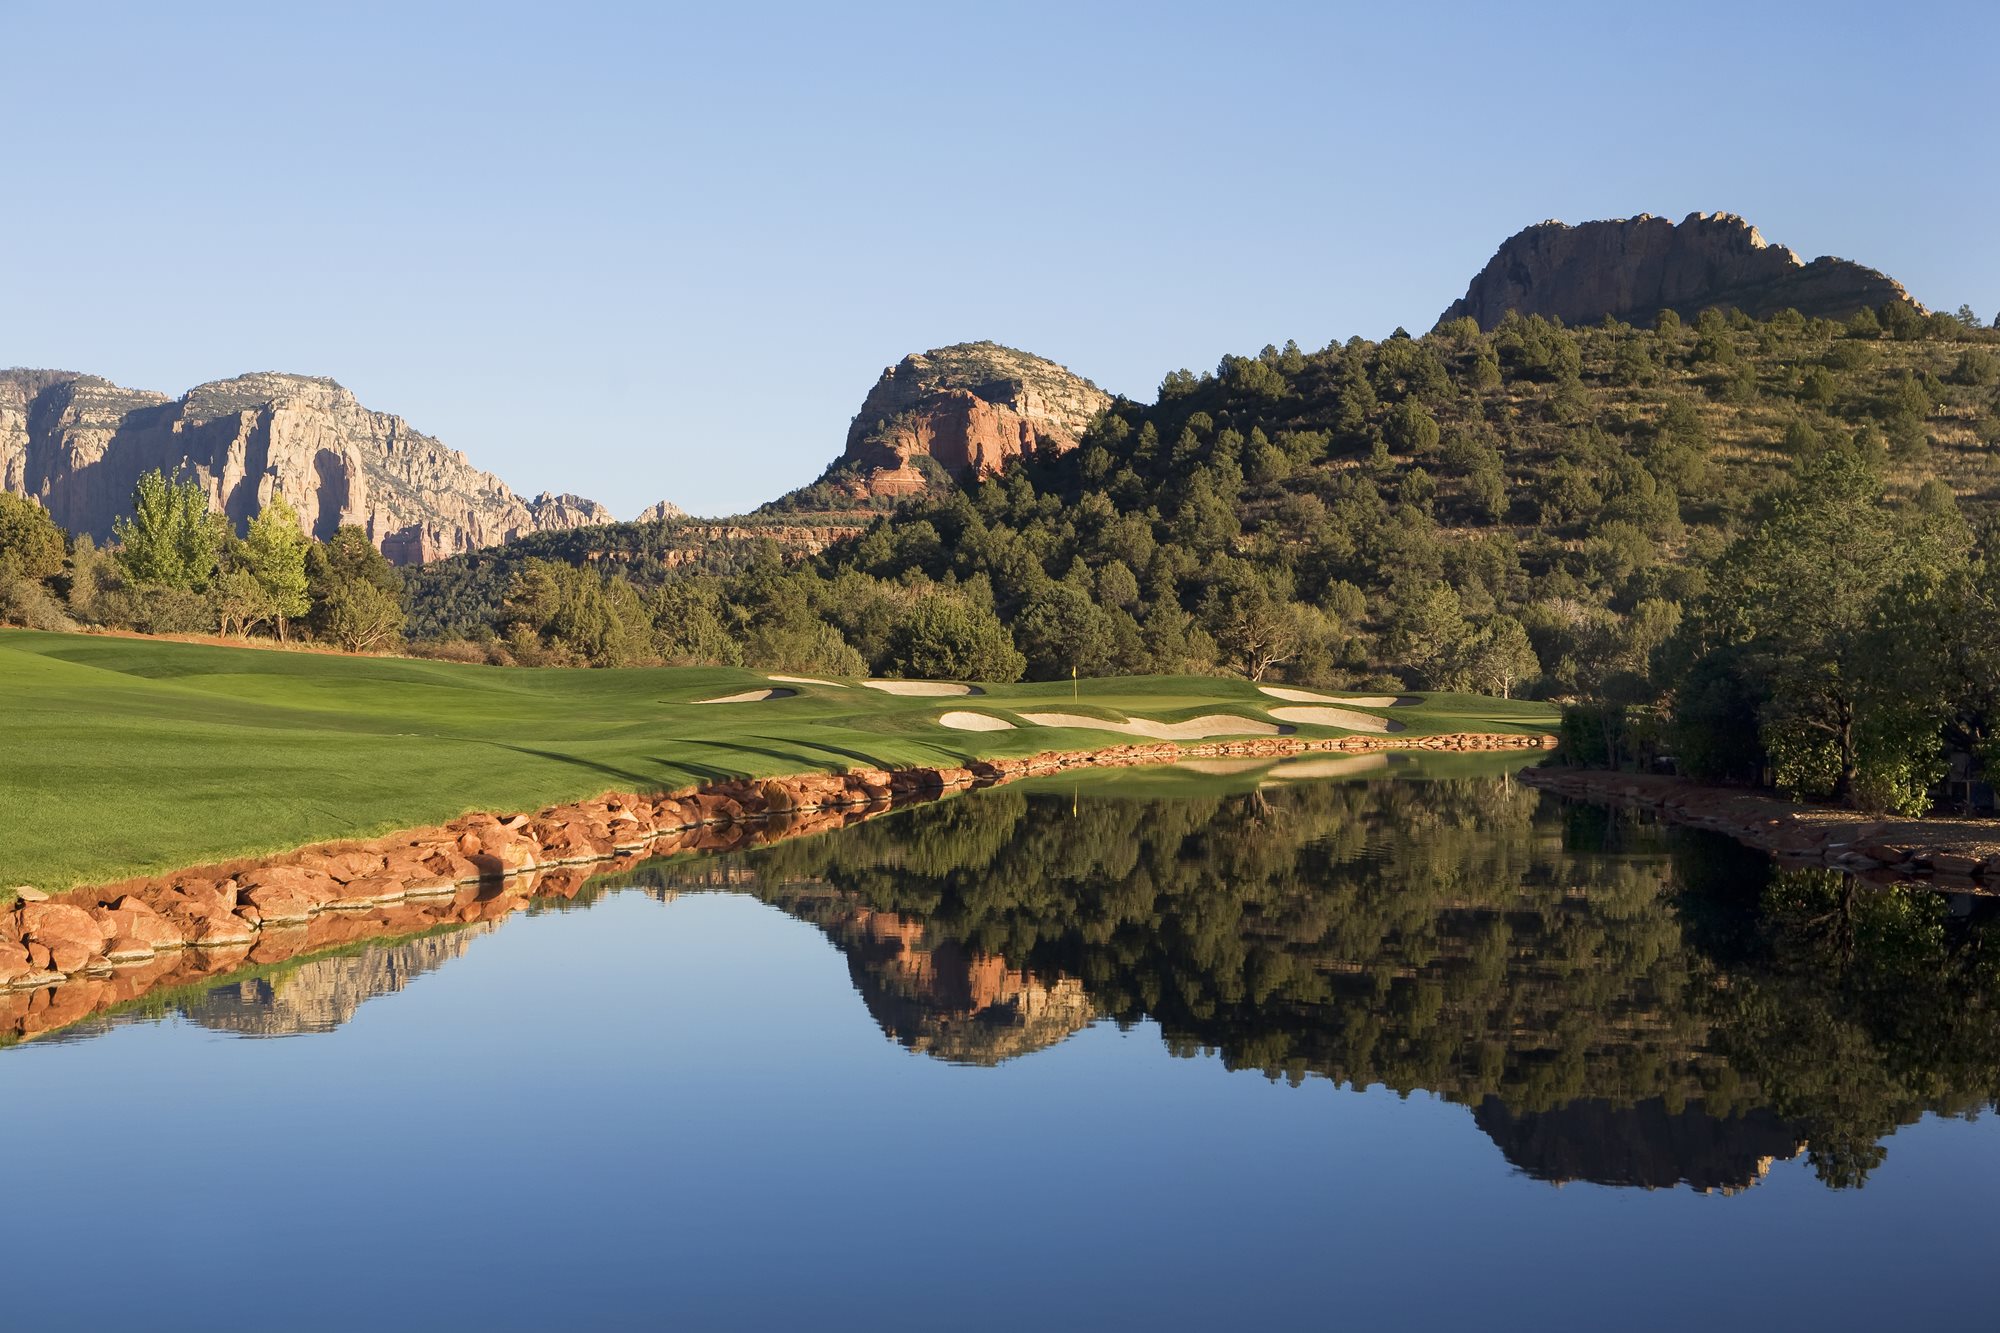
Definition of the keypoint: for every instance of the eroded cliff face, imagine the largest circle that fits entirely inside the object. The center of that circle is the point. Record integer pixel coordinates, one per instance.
(78, 444)
(938, 997)
(1633, 268)
(970, 408)
(323, 994)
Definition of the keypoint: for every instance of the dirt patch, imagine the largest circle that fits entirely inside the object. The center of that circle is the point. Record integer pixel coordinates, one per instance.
(1194, 729)
(1322, 716)
(921, 688)
(750, 697)
(974, 722)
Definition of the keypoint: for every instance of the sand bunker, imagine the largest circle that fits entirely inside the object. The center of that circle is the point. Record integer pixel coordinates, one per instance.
(1353, 700)
(1336, 717)
(974, 722)
(920, 687)
(1194, 729)
(810, 680)
(1343, 766)
(750, 697)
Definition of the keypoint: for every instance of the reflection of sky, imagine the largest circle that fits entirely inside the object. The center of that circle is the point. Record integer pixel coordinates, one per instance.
(645, 1116)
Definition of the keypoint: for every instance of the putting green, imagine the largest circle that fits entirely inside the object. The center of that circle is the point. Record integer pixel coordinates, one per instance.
(124, 756)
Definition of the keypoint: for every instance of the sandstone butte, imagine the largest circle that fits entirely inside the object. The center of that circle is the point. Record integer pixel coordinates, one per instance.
(1633, 268)
(77, 444)
(67, 956)
(968, 408)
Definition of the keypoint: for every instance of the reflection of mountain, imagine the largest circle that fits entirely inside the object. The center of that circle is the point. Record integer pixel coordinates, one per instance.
(1555, 967)
(940, 999)
(1612, 1010)
(1644, 1144)
(320, 995)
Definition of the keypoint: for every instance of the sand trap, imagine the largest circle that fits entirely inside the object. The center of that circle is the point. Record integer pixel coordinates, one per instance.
(750, 697)
(1345, 766)
(1354, 700)
(1194, 729)
(1336, 717)
(809, 680)
(974, 722)
(926, 688)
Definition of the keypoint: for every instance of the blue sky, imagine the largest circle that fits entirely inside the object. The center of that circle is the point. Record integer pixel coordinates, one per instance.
(650, 251)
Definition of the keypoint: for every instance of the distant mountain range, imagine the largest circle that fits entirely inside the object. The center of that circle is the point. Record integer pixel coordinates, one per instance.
(78, 443)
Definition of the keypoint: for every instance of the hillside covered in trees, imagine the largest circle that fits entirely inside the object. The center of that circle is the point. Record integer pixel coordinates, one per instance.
(1775, 533)
(1607, 513)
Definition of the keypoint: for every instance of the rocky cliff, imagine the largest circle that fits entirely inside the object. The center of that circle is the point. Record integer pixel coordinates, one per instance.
(968, 408)
(1633, 268)
(78, 444)
(323, 994)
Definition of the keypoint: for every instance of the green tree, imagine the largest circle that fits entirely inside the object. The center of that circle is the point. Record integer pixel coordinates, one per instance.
(1429, 636)
(171, 537)
(356, 593)
(275, 556)
(31, 544)
(1798, 593)
(239, 601)
(942, 637)
(806, 647)
(1500, 658)
(1061, 631)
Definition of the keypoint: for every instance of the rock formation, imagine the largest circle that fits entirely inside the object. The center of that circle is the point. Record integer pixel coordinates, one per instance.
(1633, 268)
(77, 444)
(1646, 1144)
(660, 513)
(322, 994)
(939, 998)
(969, 408)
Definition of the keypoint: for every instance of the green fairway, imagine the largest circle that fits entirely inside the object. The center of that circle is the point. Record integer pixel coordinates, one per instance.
(123, 756)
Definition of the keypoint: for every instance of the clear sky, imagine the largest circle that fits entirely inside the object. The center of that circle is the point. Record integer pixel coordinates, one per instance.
(649, 251)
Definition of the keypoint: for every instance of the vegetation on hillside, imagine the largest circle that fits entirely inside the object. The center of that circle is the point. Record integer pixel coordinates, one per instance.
(1779, 533)
(178, 568)
(1697, 516)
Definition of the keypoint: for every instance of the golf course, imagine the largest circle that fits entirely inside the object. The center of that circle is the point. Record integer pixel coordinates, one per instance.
(125, 756)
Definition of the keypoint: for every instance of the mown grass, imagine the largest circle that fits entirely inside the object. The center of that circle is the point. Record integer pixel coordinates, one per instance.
(123, 756)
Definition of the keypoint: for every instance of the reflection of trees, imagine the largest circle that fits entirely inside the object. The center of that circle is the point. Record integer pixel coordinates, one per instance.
(1866, 1008)
(1466, 937)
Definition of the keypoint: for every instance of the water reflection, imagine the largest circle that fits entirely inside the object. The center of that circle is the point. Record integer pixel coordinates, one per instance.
(1614, 1003)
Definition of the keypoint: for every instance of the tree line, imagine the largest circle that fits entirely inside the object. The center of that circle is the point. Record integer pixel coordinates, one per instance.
(177, 567)
(1763, 546)
(1404, 933)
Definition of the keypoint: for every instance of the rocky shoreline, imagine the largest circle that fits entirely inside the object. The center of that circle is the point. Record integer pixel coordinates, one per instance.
(67, 956)
(1962, 855)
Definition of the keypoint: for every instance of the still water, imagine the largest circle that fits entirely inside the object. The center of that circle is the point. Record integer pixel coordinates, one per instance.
(1418, 1048)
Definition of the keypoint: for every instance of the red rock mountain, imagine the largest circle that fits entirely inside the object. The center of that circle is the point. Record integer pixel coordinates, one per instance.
(967, 408)
(1633, 268)
(77, 444)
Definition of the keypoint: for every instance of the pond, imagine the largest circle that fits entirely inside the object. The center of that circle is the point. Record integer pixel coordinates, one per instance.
(1417, 1046)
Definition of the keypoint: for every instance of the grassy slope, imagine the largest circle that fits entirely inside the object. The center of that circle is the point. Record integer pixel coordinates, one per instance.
(124, 756)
